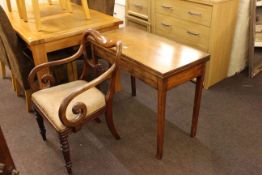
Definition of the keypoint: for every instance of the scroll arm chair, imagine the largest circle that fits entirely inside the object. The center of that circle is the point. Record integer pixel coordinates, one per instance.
(67, 107)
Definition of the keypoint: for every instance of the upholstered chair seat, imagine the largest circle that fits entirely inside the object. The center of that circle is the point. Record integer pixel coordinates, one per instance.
(49, 100)
(67, 107)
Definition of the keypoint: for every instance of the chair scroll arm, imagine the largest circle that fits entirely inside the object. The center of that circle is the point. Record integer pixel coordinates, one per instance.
(48, 78)
(79, 108)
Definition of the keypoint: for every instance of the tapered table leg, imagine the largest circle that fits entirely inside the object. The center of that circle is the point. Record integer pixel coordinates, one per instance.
(161, 105)
(197, 101)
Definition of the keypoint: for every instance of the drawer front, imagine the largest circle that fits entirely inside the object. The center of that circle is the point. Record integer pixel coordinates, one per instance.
(137, 25)
(138, 8)
(190, 11)
(183, 31)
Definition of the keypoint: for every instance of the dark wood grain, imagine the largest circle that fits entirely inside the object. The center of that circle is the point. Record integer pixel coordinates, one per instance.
(89, 38)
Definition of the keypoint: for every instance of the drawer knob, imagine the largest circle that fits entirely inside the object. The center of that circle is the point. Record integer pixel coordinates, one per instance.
(193, 33)
(167, 7)
(194, 14)
(166, 25)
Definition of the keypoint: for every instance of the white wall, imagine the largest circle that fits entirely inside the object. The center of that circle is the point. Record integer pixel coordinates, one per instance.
(240, 43)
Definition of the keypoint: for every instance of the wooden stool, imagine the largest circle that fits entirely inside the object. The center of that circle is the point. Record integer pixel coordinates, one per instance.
(65, 4)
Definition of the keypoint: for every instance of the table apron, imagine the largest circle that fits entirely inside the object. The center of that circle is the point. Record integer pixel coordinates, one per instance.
(63, 43)
(185, 75)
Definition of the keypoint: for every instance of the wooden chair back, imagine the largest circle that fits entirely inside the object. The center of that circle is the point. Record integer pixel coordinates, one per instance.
(19, 63)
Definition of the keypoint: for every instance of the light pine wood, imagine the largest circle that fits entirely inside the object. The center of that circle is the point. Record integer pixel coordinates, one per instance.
(36, 11)
(139, 7)
(220, 43)
(62, 4)
(194, 12)
(139, 23)
(18, 4)
(86, 9)
(65, 4)
(59, 32)
(183, 31)
(23, 10)
(68, 5)
(190, 30)
(28, 100)
(208, 25)
(163, 64)
(9, 7)
(138, 13)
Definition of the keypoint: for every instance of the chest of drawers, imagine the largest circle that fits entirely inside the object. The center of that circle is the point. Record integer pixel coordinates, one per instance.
(208, 25)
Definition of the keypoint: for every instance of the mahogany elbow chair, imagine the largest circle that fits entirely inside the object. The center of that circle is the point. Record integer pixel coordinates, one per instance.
(67, 107)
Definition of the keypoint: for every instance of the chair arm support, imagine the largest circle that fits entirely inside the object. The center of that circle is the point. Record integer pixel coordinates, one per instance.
(47, 78)
(80, 108)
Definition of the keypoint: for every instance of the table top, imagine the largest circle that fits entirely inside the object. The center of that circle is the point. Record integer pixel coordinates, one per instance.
(161, 55)
(58, 24)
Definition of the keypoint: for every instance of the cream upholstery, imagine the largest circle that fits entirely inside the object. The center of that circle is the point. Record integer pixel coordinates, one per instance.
(49, 100)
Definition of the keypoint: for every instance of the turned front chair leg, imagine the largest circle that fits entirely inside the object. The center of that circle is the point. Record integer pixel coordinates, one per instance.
(86, 9)
(41, 125)
(3, 71)
(36, 11)
(66, 151)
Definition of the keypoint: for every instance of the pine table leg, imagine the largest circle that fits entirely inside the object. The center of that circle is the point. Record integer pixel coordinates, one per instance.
(8, 3)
